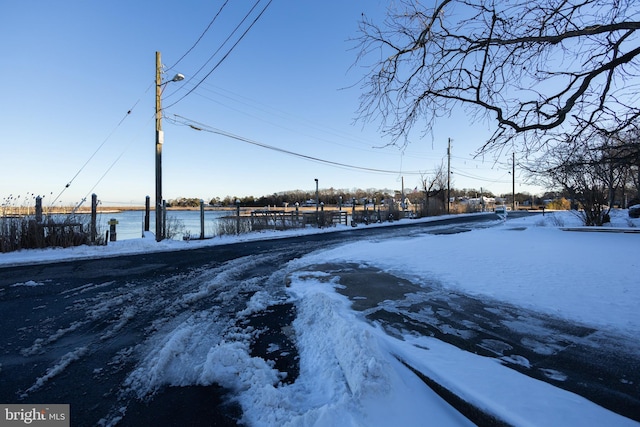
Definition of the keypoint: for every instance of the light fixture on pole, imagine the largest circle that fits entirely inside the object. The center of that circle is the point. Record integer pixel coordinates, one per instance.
(159, 142)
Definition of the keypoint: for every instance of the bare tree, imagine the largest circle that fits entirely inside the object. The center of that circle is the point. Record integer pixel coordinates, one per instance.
(434, 185)
(545, 70)
(625, 153)
(591, 172)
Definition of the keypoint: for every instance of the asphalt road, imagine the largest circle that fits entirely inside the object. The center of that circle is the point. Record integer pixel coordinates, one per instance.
(76, 339)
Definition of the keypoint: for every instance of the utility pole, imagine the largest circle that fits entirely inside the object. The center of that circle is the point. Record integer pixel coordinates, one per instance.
(159, 142)
(513, 182)
(402, 205)
(317, 195)
(160, 218)
(449, 177)
(317, 203)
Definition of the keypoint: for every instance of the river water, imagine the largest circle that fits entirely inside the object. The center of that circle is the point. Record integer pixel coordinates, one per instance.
(131, 223)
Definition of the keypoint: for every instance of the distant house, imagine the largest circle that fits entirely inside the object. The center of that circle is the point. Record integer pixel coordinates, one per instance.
(481, 203)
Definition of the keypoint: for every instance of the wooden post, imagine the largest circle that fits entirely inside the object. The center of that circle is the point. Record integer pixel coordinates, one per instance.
(93, 228)
(238, 217)
(201, 219)
(147, 212)
(353, 212)
(163, 209)
(112, 229)
(38, 209)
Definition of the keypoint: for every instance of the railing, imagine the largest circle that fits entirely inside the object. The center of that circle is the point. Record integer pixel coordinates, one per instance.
(284, 220)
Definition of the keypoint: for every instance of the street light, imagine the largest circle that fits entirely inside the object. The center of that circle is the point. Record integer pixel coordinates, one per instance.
(159, 142)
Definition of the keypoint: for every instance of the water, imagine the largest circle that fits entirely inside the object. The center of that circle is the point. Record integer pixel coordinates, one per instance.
(131, 223)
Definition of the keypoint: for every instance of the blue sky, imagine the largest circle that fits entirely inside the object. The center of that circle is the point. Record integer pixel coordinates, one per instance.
(72, 70)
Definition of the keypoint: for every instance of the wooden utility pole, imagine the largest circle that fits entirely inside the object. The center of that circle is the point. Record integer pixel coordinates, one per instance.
(449, 177)
(159, 142)
(513, 182)
(93, 227)
(160, 219)
(402, 204)
(317, 204)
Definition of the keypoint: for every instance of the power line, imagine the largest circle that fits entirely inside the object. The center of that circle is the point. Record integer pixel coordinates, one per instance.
(198, 126)
(127, 114)
(201, 81)
(279, 114)
(456, 171)
(206, 128)
(107, 171)
(193, 76)
(359, 143)
(228, 52)
(84, 199)
(311, 125)
(201, 35)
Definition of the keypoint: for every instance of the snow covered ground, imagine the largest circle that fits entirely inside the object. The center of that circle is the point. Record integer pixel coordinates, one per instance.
(350, 373)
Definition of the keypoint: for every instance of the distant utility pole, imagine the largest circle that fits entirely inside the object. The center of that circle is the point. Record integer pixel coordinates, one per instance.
(317, 196)
(402, 205)
(449, 177)
(317, 203)
(513, 182)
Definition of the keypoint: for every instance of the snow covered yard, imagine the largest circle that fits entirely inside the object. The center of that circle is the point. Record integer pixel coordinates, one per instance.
(587, 278)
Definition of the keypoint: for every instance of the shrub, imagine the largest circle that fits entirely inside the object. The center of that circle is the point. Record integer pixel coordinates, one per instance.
(228, 226)
(24, 232)
(174, 227)
(561, 204)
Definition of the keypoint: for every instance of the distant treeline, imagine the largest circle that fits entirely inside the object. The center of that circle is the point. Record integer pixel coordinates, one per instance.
(334, 197)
